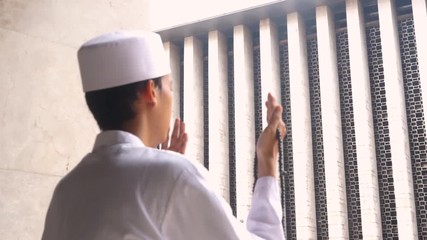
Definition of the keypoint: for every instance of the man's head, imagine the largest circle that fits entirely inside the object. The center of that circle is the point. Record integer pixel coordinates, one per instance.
(126, 80)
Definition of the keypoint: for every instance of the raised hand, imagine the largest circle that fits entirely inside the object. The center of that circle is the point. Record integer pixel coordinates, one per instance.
(267, 145)
(178, 139)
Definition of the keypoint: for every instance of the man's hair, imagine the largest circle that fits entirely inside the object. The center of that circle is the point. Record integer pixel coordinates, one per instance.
(114, 106)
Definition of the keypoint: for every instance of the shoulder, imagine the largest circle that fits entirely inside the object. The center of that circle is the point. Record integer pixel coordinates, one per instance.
(134, 164)
(171, 161)
(185, 170)
(164, 164)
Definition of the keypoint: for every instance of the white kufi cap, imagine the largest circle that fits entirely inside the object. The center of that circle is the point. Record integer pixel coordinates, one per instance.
(121, 58)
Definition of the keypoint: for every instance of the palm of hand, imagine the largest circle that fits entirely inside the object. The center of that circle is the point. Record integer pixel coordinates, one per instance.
(178, 139)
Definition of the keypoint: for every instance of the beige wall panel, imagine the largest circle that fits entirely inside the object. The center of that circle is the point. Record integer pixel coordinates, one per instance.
(45, 124)
(71, 22)
(24, 197)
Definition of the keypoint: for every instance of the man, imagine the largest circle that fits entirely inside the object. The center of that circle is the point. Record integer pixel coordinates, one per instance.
(126, 188)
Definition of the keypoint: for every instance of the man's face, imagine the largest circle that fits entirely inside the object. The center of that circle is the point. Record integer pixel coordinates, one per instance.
(164, 107)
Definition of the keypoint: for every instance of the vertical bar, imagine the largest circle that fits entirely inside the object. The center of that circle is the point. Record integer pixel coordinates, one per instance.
(218, 111)
(270, 82)
(193, 97)
(365, 139)
(270, 62)
(331, 122)
(302, 136)
(416, 119)
(231, 126)
(398, 127)
(206, 106)
(244, 118)
(173, 52)
(419, 9)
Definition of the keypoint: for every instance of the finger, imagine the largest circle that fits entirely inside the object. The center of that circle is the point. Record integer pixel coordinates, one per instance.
(268, 111)
(176, 130)
(282, 129)
(183, 138)
(272, 99)
(181, 129)
(270, 104)
(176, 142)
(183, 143)
(276, 117)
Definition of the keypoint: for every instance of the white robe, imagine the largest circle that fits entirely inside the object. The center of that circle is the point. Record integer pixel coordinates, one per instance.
(124, 190)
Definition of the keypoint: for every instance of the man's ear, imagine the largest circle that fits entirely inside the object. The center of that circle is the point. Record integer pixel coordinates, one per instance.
(148, 94)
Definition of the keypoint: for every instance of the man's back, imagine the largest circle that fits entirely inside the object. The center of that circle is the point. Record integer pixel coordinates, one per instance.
(119, 191)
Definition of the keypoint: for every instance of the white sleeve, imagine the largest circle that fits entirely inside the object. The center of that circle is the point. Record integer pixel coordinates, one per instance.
(265, 215)
(195, 211)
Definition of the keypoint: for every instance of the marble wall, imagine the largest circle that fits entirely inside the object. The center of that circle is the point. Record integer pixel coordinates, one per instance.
(45, 126)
